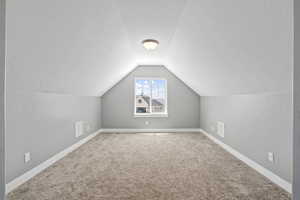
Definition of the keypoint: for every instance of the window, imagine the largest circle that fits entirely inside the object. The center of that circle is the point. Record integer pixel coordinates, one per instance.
(150, 97)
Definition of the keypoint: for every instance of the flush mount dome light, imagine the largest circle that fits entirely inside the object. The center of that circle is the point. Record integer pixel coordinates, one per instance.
(150, 44)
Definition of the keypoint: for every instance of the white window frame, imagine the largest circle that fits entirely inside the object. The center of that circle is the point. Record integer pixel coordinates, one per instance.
(164, 114)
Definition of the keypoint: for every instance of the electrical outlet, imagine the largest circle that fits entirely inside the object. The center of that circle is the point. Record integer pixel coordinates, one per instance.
(78, 129)
(221, 129)
(27, 157)
(147, 122)
(271, 157)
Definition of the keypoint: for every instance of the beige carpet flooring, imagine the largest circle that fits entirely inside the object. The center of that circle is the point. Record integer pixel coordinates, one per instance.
(186, 166)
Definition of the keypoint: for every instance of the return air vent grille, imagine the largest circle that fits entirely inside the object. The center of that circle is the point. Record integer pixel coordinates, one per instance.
(81, 128)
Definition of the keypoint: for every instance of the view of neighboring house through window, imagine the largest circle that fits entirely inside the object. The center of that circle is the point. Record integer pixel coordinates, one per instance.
(150, 96)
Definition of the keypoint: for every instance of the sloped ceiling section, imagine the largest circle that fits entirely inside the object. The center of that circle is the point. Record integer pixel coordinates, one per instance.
(85, 47)
(234, 47)
(61, 46)
(155, 19)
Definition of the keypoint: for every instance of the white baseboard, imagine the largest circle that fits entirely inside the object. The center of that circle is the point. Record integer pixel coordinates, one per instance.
(121, 130)
(265, 172)
(33, 172)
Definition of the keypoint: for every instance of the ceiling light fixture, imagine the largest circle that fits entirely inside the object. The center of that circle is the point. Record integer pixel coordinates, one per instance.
(150, 44)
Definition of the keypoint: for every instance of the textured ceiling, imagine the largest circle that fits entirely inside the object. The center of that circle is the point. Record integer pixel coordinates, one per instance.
(84, 47)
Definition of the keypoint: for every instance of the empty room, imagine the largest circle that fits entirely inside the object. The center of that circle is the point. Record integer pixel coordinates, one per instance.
(149, 100)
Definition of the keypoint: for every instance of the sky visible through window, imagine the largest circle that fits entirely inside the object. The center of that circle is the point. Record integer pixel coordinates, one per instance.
(143, 87)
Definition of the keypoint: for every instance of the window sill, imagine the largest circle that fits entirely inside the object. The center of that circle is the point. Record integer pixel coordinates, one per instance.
(150, 115)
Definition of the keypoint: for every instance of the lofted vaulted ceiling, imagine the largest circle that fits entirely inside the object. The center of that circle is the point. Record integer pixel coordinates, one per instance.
(156, 19)
(84, 47)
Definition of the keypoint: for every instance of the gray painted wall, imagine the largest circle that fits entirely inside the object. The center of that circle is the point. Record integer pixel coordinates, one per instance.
(43, 124)
(118, 103)
(42, 62)
(2, 92)
(296, 180)
(254, 125)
